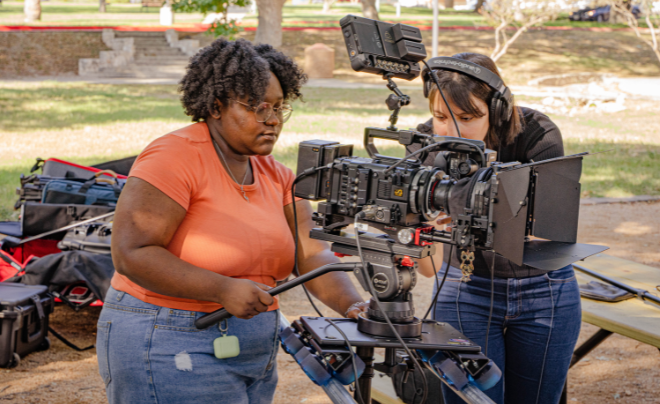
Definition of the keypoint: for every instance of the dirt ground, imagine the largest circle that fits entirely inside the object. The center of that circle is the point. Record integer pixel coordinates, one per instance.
(620, 370)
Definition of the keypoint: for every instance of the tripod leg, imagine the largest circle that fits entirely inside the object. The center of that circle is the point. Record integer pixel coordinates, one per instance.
(367, 356)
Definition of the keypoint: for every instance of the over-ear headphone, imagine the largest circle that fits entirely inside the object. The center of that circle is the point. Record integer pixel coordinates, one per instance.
(501, 106)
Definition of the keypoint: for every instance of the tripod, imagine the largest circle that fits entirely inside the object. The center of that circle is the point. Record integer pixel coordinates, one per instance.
(323, 346)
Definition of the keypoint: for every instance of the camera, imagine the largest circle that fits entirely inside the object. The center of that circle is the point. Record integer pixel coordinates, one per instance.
(493, 206)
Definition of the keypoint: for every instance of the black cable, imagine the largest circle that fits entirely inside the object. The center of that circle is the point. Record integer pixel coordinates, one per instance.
(295, 225)
(492, 294)
(435, 80)
(67, 342)
(437, 284)
(434, 302)
(367, 281)
(432, 146)
(350, 348)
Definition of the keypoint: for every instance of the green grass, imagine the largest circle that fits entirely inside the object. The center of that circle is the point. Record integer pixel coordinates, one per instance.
(620, 170)
(56, 109)
(74, 105)
(122, 12)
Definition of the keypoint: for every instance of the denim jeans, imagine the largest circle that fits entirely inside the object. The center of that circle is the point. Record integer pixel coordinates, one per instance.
(534, 328)
(152, 354)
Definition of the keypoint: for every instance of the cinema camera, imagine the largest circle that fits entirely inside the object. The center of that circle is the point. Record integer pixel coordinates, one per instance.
(493, 206)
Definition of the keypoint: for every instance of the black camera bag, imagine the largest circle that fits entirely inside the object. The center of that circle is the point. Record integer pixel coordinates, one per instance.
(24, 311)
(38, 218)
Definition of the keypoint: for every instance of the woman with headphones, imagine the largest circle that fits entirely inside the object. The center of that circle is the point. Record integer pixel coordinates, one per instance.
(529, 322)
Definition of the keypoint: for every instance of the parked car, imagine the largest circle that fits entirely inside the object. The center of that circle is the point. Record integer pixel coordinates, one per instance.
(600, 14)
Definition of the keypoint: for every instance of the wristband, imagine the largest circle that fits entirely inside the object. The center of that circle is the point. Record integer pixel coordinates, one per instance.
(353, 307)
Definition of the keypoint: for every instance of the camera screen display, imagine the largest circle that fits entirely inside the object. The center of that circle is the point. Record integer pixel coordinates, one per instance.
(379, 47)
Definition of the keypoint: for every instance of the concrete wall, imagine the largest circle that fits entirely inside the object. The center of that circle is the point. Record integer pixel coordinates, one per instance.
(46, 53)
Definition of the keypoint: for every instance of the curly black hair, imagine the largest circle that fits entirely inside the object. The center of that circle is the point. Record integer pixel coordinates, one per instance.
(235, 69)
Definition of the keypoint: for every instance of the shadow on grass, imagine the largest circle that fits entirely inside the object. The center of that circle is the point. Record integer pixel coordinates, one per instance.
(624, 169)
(358, 101)
(70, 105)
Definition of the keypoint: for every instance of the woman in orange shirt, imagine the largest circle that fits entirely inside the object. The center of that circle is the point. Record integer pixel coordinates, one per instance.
(205, 221)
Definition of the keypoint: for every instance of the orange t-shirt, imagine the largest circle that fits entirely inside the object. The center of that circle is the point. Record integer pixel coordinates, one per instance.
(221, 231)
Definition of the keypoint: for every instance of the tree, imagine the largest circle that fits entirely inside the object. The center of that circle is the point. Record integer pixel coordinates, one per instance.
(269, 29)
(478, 6)
(449, 4)
(220, 27)
(327, 4)
(32, 10)
(520, 14)
(369, 9)
(652, 21)
(101, 6)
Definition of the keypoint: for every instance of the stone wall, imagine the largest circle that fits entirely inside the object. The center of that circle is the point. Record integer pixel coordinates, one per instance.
(46, 53)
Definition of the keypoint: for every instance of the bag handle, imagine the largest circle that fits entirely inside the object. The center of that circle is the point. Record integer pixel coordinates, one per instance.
(96, 179)
(106, 180)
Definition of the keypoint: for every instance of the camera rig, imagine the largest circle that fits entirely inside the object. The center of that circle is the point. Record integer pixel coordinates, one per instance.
(493, 206)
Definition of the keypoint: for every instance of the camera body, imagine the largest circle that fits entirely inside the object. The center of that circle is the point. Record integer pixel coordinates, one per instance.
(395, 199)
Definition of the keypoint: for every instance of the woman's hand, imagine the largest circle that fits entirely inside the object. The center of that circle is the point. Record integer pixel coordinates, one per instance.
(244, 298)
(357, 308)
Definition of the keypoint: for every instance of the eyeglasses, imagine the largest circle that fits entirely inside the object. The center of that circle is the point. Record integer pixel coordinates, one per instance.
(265, 111)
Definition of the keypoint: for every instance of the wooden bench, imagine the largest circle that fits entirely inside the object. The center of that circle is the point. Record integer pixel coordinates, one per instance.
(152, 3)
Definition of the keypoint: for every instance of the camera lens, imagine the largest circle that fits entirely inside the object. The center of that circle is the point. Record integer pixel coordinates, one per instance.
(441, 195)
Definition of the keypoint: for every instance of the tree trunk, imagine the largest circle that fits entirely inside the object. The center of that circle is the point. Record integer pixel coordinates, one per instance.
(449, 4)
(32, 9)
(101, 6)
(269, 29)
(327, 4)
(369, 9)
(477, 8)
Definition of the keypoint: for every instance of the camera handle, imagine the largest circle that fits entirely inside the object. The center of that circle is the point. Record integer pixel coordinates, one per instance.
(222, 314)
(394, 102)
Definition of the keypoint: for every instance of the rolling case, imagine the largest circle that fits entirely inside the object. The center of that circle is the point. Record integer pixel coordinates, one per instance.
(24, 311)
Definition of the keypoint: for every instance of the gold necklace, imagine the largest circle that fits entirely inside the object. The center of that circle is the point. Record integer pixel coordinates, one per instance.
(217, 149)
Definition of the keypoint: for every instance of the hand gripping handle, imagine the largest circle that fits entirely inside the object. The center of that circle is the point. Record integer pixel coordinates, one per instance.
(222, 314)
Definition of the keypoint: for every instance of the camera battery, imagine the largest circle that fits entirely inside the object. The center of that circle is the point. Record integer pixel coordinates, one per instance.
(317, 153)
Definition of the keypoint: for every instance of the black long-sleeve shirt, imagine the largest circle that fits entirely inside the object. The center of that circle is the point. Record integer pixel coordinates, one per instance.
(540, 139)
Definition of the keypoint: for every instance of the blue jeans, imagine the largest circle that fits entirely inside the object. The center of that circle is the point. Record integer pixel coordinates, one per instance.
(152, 354)
(535, 325)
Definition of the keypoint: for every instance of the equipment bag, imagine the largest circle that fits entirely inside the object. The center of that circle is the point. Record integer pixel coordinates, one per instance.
(66, 169)
(93, 237)
(38, 218)
(24, 311)
(96, 191)
(32, 187)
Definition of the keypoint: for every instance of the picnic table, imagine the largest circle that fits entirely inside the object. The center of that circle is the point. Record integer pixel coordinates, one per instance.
(632, 318)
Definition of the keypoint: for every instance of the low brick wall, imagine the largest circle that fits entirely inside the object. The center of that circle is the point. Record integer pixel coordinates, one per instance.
(46, 53)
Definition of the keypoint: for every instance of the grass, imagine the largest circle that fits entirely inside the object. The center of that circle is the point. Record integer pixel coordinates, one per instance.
(88, 123)
(124, 13)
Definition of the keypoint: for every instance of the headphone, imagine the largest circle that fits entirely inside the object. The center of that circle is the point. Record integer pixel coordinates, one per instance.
(501, 105)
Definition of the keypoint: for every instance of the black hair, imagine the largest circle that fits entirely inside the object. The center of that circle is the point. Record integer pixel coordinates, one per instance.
(458, 88)
(235, 69)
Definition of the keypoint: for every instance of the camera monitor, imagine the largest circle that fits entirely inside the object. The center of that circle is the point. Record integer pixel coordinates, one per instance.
(383, 48)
